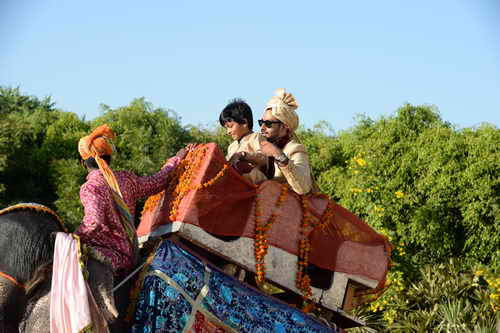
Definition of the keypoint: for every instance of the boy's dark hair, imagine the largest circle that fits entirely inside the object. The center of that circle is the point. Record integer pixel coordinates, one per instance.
(238, 111)
(92, 164)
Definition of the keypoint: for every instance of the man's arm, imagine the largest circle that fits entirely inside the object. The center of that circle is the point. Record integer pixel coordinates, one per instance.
(295, 165)
(150, 185)
(297, 172)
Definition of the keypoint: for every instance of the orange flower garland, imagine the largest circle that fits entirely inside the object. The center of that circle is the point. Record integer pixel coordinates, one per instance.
(190, 166)
(261, 228)
(181, 179)
(182, 184)
(309, 223)
(153, 200)
(302, 280)
(326, 221)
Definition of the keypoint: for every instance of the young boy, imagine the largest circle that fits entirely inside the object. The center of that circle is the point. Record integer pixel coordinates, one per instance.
(244, 152)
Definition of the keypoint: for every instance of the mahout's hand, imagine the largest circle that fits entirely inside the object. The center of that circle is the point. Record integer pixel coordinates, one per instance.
(183, 152)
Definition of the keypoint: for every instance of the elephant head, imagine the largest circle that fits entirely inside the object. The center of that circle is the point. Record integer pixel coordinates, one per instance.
(36, 318)
(27, 246)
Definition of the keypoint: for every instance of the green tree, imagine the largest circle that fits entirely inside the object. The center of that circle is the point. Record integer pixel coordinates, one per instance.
(424, 183)
(39, 160)
(13, 101)
(433, 190)
(147, 136)
(24, 157)
(215, 134)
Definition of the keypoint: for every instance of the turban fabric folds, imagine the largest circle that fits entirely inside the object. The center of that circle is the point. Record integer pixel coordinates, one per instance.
(283, 106)
(97, 143)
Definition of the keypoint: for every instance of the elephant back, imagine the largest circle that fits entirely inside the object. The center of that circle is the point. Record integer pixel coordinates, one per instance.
(25, 239)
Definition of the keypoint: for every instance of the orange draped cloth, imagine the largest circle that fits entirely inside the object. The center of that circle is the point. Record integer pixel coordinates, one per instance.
(224, 205)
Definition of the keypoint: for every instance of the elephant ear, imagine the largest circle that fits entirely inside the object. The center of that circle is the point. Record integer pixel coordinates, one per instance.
(101, 284)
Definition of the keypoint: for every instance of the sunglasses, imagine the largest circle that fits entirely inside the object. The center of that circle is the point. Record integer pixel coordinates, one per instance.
(268, 123)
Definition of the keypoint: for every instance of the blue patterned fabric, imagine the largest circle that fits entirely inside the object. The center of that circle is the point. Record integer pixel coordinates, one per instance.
(162, 307)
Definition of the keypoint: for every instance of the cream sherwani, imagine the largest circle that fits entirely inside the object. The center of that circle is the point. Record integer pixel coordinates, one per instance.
(251, 145)
(297, 173)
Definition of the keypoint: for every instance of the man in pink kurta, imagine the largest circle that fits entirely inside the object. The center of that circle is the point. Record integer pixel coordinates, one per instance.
(109, 200)
(101, 227)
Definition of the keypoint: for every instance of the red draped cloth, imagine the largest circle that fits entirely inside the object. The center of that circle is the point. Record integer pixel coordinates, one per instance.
(227, 208)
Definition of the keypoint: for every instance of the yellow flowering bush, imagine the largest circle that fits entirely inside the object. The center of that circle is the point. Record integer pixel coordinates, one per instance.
(399, 194)
(435, 299)
(485, 276)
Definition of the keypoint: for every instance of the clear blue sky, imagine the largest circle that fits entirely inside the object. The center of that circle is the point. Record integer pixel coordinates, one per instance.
(339, 58)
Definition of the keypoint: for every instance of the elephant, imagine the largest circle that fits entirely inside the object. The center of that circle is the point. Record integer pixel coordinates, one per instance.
(27, 238)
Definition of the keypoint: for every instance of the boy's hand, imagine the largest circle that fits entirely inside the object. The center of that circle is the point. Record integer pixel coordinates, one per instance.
(239, 156)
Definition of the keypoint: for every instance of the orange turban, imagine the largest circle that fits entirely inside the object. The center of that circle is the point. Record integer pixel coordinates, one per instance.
(97, 143)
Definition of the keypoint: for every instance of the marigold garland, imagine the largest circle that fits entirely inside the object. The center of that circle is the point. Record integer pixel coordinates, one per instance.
(184, 176)
(261, 228)
(326, 221)
(302, 280)
(153, 200)
(308, 224)
(180, 180)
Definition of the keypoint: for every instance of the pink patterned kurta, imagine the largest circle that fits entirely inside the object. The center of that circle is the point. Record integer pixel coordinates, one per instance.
(101, 227)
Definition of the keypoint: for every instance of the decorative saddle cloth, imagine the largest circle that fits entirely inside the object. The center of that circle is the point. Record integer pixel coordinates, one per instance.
(182, 293)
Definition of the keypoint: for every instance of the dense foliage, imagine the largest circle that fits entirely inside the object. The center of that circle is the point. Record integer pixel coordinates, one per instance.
(433, 189)
(446, 297)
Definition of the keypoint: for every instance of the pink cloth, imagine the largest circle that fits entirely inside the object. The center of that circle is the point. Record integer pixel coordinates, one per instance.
(101, 227)
(72, 306)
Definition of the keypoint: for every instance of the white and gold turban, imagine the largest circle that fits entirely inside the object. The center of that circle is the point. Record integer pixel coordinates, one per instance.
(283, 106)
